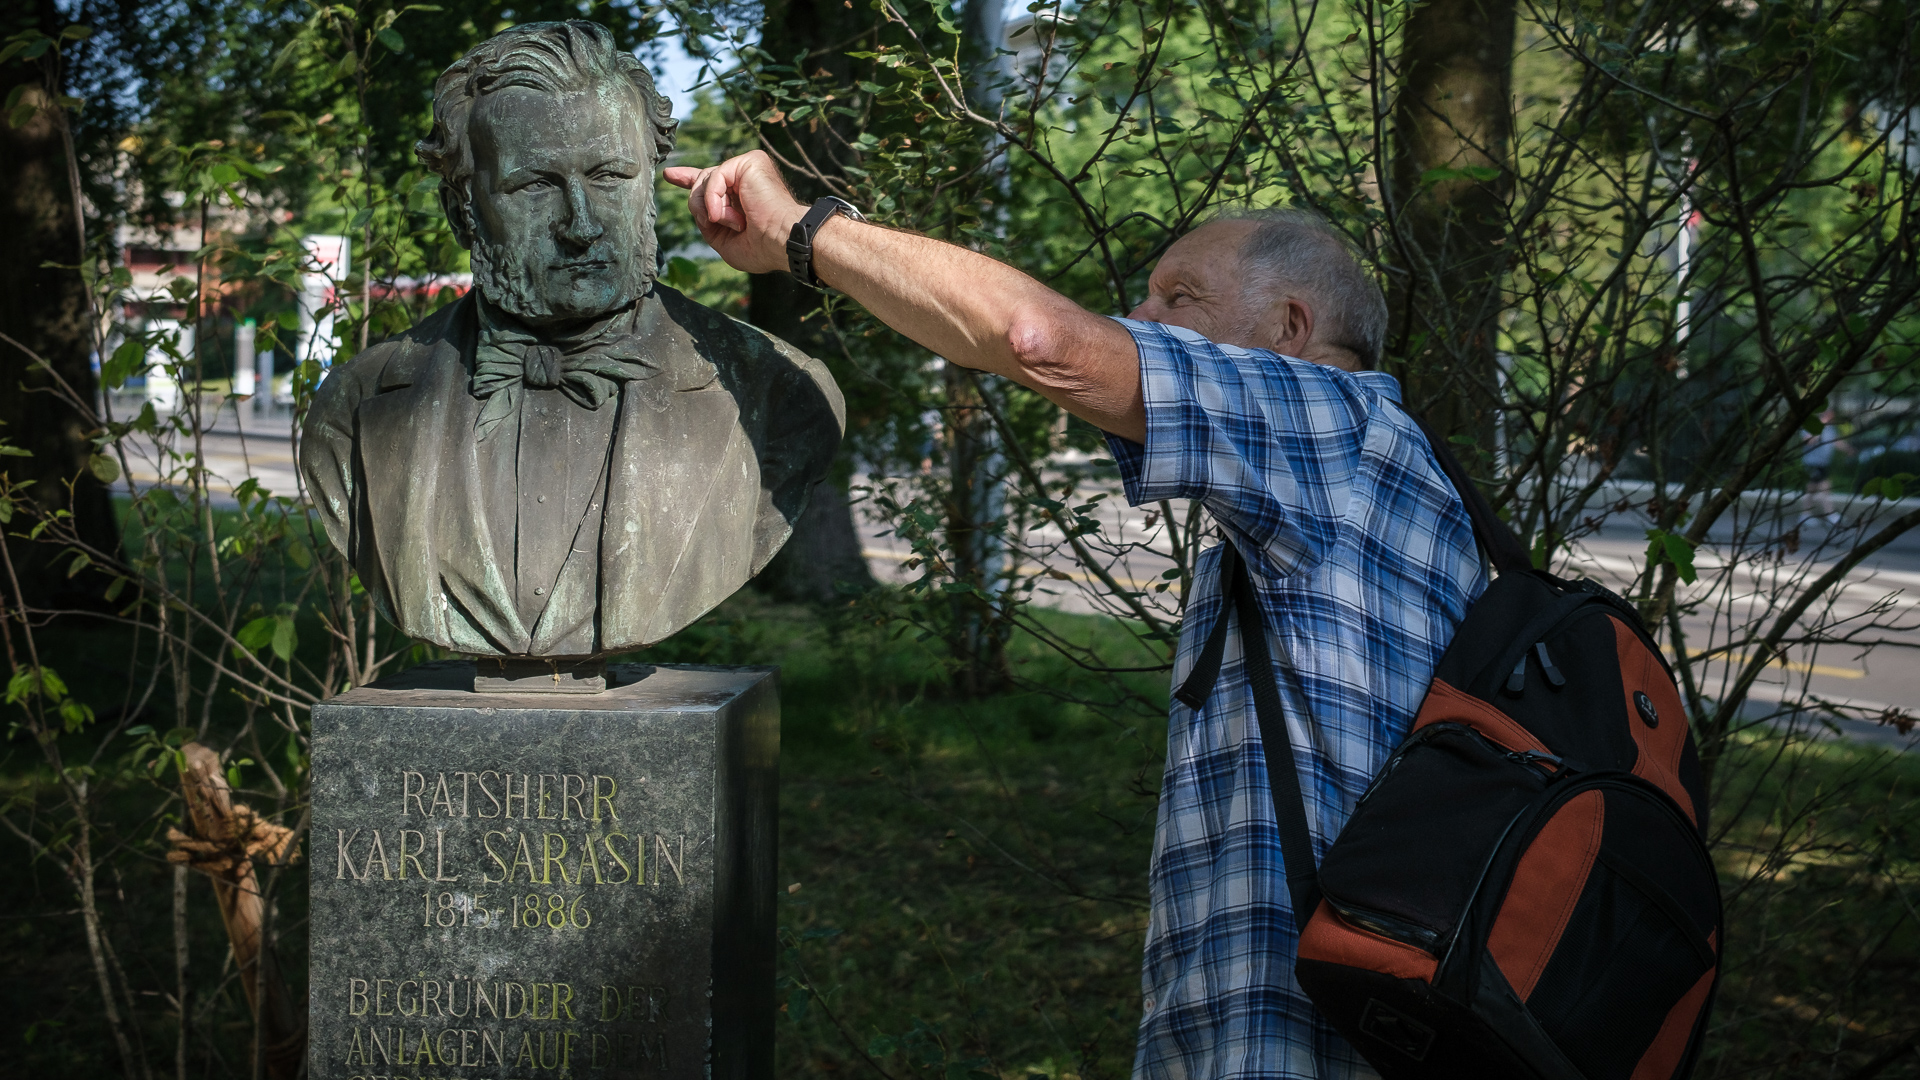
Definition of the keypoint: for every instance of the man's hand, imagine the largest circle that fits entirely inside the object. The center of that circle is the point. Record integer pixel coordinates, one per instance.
(744, 210)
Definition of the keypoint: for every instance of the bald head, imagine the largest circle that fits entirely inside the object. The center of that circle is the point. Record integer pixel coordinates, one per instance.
(1282, 280)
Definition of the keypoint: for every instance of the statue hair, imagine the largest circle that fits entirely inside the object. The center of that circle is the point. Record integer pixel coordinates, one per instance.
(550, 56)
(1297, 251)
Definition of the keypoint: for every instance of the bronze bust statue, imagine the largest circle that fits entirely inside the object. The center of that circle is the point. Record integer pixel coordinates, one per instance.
(572, 459)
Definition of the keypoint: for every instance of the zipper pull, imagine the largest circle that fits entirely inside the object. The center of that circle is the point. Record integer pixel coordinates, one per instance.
(1530, 757)
(1554, 678)
(1517, 682)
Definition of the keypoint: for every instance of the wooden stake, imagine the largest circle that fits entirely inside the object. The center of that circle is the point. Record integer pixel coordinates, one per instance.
(228, 836)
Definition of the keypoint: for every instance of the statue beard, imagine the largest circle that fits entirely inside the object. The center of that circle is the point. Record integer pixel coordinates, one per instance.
(503, 275)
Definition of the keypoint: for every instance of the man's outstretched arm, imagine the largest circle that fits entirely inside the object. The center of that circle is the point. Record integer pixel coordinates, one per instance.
(974, 311)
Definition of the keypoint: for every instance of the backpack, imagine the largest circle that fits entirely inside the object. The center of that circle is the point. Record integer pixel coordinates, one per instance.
(1524, 889)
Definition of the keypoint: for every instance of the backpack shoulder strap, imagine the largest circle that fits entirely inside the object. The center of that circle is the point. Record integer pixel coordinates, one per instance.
(1503, 548)
(1283, 775)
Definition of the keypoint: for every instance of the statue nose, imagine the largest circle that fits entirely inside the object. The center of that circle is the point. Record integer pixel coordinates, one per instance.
(582, 227)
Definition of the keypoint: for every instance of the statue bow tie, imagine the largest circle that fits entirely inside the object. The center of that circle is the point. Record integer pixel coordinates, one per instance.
(588, 370)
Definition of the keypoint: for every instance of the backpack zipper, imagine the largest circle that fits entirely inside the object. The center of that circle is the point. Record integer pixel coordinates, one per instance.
(1551, 765)
(1542, 809)
(1516, 681)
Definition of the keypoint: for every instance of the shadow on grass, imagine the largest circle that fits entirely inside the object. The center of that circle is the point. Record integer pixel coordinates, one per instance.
(967, 877)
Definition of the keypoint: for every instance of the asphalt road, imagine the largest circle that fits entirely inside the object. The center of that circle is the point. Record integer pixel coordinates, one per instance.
(1879, 600)
(1862, 685)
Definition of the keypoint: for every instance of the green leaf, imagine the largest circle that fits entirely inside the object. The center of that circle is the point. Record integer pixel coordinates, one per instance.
(223, 173)
(115, 587)
(76, 32)
(21, 113)
(47, 683)
(299, 556)
(881, 1046)
(284, 639)
(1481, 173)
(1663, 546)
(1812, 426)
(75, 715)
(233, 776)
(1888, 487)
(104, 468)
(943, 14)
(80, 562)
(392, 40)
(126, 360)
(682, 273)
(797, 1005)
(22, 686)
(36, 48)
(258, 632)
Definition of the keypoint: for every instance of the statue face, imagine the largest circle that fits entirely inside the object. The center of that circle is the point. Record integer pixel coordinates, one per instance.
(562, 199)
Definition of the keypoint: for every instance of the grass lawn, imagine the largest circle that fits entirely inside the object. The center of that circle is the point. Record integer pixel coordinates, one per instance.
(971, 874)
(971, 877)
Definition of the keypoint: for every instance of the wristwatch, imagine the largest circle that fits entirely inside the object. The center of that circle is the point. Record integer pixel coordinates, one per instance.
(800, 241)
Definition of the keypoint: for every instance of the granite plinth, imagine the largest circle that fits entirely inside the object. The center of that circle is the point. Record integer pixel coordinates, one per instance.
(531, 886)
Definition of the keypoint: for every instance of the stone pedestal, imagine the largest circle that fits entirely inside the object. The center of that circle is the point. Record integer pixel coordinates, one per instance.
(526, 886)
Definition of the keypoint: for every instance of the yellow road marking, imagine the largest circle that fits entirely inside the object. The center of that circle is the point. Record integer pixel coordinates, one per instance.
(1077, 575)
(1796, 666)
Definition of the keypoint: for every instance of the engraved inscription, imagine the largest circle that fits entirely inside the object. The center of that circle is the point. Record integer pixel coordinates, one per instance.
(588, 844)
(546, 796)
(468, 1022)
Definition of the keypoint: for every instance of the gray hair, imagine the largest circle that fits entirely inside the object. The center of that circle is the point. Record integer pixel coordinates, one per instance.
(1296, 251)
(549, 56)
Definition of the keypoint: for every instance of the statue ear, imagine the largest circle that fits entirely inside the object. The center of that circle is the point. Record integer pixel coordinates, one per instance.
(454, 204)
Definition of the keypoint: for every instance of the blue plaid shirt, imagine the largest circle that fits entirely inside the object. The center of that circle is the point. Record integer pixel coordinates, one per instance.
(1365, 563)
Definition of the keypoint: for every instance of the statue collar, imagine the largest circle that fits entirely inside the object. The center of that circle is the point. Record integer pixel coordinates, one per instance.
(588, 364)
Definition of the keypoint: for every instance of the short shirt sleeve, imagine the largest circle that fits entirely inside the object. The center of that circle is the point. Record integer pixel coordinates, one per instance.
(1270, 444)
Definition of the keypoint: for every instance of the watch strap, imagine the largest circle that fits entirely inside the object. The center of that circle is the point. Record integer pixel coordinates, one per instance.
(800, 240)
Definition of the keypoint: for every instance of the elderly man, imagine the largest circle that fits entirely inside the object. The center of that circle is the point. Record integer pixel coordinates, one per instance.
(1242, 381)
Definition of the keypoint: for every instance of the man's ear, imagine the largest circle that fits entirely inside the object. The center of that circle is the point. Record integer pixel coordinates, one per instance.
(1291, 326)
(454, 204)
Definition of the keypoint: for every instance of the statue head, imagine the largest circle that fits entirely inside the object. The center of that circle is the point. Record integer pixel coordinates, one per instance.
(546, 139)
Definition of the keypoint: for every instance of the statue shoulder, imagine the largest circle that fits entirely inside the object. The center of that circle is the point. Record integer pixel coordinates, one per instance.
(392, 362)
(720, 335)
(759, 366)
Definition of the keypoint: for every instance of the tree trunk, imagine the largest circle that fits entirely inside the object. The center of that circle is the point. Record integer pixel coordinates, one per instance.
(823, 554)
(1450, 181)
(825, 548)
(975, 503)
(44, 308)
